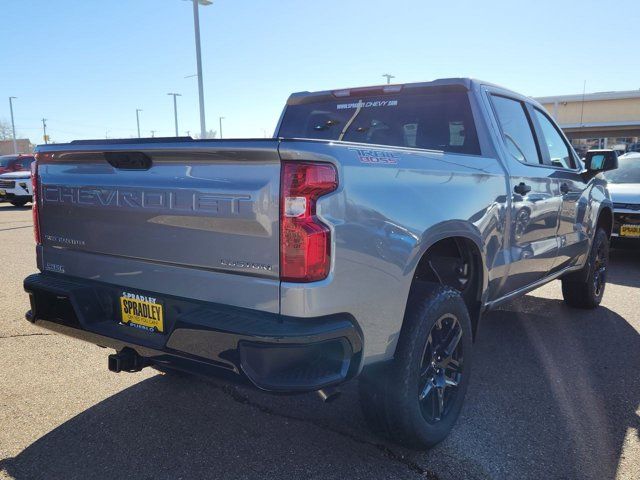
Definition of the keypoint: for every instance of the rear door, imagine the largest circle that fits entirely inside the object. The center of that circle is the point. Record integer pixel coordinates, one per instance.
(535, 195)
(191, 219)
(558, 155)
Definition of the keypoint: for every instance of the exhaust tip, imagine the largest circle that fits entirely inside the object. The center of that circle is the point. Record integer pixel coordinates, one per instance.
(329, 394)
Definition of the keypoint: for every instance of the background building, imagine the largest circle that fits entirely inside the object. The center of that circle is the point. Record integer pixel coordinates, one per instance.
(598, 120)
(24, 146)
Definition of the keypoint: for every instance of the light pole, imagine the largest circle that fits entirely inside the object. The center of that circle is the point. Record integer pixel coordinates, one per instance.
(13, 125)
(389, 77)
(175, 109)
(138, 110)
(196, 26)
(44, 130)
(220, 120)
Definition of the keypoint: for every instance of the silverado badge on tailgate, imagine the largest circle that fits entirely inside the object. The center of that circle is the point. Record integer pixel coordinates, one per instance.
(141, 312)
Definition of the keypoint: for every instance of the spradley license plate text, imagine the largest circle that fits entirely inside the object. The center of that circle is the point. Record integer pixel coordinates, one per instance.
(630, 230)
(141, 312)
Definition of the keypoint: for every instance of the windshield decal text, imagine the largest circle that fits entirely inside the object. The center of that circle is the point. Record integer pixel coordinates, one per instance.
(361, 104)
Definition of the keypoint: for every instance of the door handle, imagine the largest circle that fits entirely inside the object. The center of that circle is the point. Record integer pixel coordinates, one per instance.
(564, 188)
(522, 188)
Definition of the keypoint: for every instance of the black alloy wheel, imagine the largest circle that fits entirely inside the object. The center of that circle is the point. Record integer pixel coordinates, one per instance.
(441, 368)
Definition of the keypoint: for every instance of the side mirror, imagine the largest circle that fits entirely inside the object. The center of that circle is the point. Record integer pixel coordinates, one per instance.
(597, 161)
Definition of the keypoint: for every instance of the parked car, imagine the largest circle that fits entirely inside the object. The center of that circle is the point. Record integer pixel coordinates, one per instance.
(16, 188)
(15, 163)
(624, 186)
(620, 148)
(633, 147)
(365, 240)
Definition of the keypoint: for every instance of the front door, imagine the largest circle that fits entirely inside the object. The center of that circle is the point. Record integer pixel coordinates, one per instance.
(556, 152)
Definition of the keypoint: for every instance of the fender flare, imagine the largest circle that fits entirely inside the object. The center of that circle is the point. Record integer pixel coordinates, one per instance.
(450, 229)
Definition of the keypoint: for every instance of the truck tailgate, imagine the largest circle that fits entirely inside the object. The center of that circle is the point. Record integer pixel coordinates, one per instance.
(192, 211)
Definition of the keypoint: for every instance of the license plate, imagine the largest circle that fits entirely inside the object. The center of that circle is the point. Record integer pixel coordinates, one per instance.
(630, 231)
(142, 312)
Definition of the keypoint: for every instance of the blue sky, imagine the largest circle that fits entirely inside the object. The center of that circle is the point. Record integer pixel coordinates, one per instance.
(87, 65)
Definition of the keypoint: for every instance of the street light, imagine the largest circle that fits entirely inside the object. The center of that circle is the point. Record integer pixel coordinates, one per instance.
(196, 26)
(175, 109)
(13, 125)
(389, 77)
(220, 120)
(138, 110)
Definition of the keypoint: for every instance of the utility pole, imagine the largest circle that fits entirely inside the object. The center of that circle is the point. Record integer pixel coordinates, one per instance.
(389, 77)
(220, 120)
(44, 130)
(196, 27)
(153, 133)
(13, 126)
(138, 110)
(175, 110)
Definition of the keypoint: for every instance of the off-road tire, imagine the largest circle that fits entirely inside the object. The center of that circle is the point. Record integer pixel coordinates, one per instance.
(389, 392)
(585, 288)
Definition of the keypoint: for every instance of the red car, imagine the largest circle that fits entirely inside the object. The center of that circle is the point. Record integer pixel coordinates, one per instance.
(15, 163)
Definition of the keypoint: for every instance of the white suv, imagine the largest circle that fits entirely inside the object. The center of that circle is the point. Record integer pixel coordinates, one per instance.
(15, 188)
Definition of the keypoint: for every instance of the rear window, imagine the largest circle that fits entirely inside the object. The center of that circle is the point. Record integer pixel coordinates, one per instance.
(439, 120)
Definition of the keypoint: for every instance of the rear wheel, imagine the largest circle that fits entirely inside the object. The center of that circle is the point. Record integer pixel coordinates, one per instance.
(588, 290)
(19, 203)
(416, 399)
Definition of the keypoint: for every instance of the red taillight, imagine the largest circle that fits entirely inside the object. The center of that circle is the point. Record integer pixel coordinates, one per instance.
(305, 242)
(34, 185)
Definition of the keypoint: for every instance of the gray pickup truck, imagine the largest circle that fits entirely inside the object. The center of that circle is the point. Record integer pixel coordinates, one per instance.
(365, 239)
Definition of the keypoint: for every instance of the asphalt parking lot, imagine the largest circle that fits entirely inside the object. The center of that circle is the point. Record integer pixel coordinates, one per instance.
(555, 393)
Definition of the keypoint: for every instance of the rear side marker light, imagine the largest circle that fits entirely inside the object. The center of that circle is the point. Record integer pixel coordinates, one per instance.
(305, 242)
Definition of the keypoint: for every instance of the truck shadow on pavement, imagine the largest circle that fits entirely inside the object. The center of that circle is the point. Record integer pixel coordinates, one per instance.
(554, 394)
(6, 207)
(625, 265)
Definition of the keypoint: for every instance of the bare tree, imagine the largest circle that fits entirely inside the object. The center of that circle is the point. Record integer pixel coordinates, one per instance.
(5, 130)
(210, 134)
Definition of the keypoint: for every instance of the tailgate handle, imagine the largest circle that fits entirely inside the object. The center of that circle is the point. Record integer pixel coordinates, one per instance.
(128, 160)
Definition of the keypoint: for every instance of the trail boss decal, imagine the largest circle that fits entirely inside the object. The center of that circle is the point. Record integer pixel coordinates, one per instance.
(377, 157)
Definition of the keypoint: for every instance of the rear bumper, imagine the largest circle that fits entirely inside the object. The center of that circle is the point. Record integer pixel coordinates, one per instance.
(274, 352)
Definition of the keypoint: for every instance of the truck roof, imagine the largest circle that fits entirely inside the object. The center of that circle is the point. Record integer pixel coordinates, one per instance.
(466, 83)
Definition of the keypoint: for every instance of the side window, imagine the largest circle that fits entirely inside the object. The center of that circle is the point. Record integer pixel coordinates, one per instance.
(559, 152)
(516, 129)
